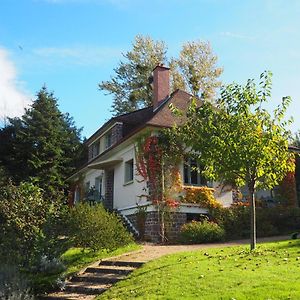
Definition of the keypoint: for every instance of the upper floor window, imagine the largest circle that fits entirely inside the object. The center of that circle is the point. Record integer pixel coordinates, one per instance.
(128, 171)
(94, 150)
(191, 171)
(108, 139)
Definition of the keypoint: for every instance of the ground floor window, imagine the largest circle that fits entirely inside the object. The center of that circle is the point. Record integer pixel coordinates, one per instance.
(192, 173)
(98, 187)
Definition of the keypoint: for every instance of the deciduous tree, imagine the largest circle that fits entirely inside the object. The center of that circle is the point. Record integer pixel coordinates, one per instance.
(239, 141)
(194, 71)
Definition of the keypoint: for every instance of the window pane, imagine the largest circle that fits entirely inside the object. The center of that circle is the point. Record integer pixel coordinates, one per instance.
(129, 170)
(186, 173)
(194, 173)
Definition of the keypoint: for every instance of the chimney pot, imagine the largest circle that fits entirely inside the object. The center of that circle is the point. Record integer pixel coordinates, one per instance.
(161, 84)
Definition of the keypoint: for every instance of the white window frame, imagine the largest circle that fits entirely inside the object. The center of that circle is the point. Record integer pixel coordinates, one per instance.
(187, 165)
(99, 185)
(128, 173)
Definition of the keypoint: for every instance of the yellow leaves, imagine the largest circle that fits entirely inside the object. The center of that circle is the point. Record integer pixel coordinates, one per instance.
(203, 196)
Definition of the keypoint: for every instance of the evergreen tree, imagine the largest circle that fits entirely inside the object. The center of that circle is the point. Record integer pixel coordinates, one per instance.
(43, 146)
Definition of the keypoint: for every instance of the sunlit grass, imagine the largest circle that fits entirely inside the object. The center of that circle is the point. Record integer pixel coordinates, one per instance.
(270, 272)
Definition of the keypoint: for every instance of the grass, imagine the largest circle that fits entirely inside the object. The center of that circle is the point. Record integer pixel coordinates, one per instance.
(75, 259)
(272, 271)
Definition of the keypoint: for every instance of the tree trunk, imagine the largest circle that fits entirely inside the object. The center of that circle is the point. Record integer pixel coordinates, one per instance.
(253, 219)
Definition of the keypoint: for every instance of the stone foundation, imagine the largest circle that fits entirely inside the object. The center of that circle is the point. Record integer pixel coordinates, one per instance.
(152, 228)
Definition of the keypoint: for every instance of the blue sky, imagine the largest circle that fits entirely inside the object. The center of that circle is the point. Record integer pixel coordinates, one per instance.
(72, 45)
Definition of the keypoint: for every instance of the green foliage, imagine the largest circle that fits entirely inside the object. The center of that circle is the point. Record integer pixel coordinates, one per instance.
(197, 64)
(270, 221)
(270, 272)
(238, 141)
(30, 226)
(94, 227)
(201, 232)
(13, 286)
(195, 70)
(43, 146)
(130, 86)
(22, 215)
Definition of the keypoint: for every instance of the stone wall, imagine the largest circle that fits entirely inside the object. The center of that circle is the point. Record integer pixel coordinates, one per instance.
(109, 189)
(152, 228)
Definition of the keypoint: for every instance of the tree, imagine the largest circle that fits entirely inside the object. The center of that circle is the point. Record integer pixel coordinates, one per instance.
(195, 71)
(240, 142)
(42, 146)
(130, 86)
(197, 64)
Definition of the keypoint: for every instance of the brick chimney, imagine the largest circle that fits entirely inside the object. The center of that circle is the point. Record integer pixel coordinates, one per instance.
(161, 85)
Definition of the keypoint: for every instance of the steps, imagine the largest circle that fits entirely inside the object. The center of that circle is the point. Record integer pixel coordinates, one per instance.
(128, 225)
(95, 280)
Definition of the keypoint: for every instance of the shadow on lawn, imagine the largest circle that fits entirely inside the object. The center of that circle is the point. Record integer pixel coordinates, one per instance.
(290, 244)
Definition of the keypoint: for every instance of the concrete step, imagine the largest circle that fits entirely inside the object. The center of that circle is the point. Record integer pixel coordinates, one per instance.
(86, 288)
(96, 279)
(132, 264)
(108, 270)
(65, 296)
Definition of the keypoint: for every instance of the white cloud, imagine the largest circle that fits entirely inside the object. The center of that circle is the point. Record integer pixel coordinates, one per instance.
(13, 98)
(78, 55)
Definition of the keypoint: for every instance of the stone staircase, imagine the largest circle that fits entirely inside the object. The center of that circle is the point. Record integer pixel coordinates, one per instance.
(94, 280)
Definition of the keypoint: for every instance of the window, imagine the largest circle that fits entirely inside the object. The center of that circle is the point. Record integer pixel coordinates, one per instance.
(191, 172)
(108, 140)
(87, 187)
(94, 150)
(129, 171)
(98, 187)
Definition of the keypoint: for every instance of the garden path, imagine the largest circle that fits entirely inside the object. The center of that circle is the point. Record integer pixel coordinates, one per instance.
(100, 276)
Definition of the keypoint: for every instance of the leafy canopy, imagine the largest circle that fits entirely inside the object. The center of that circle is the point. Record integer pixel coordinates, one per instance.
(238, 141)
(194, 70)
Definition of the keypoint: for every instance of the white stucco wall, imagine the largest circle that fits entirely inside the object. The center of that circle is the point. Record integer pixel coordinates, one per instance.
(126, 194)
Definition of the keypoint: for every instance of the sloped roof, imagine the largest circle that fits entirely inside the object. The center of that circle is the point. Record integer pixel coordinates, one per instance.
(136, 121)
(162, 116)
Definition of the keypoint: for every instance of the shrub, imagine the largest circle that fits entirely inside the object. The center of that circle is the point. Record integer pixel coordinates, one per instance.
(204, 196)
(96, 228)
(29, 225)
(201, 232)
(22, 214)
(13, 286)
(270, 221)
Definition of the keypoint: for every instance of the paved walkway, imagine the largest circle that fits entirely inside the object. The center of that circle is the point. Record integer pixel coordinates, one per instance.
(153, 251)
(101, 275)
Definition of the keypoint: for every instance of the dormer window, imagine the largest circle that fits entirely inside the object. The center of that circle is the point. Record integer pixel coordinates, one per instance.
(94, 150)
(108, 140)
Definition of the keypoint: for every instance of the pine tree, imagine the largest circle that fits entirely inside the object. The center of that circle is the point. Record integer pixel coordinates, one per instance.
(45, 145)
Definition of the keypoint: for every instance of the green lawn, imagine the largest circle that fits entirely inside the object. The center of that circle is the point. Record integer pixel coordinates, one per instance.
(270, 272)
(74, 260)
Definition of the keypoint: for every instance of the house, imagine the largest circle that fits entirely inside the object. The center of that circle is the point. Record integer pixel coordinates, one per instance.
(110, 175)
